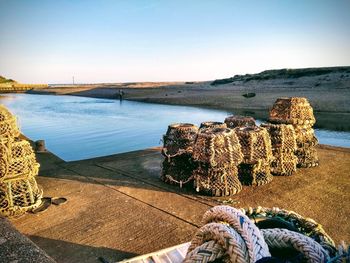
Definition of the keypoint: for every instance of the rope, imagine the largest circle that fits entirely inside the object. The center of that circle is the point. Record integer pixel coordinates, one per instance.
(229, 235)
(279, 238)
(243, 225)
(170, 156)
(226, 240)
(207, 252)
(306, 225)
(233, 231)
(181, 183)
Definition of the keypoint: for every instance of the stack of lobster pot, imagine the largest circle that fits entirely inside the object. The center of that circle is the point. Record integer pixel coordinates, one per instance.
(212, 125)
(239, 121)
(178, 142)
(298, 112)
(283, 147)
(256, 148)
(218, 153)
(19, 191)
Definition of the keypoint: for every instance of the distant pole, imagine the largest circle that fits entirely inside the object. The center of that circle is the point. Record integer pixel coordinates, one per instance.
(73, 80)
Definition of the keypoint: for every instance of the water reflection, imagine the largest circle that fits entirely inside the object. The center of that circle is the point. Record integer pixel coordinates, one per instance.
(76, 128)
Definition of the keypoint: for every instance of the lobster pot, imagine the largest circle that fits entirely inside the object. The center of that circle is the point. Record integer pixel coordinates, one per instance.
(307, 157)
(216, 181)
(255, 174)
(283, 147)
(239, 121)
(17, 160)
(217, 148)
(299, 113)
(19, 196)
(295, 110)
(4, 159)
(306, 152)
(179, 138)
(8, 124)
(283, 163)
(177, 170)
(282, 136)
(212, 125)
(255, 144)
(305, 136)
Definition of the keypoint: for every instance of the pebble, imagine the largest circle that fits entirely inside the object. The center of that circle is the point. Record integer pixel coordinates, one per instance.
(2, 240)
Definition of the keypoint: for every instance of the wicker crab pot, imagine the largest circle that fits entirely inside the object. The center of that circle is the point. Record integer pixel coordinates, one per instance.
(8, 124)
(305, 137)
(284, 163)
(178, 170)
(217, 147)
(18, 159)
(294, 110)
(255, 174)
(299, 113)
(217, 182)
(239, 121)
(179, 139)
(19, 196)
(283, 147)
(261, 234)
(212, 125)
(19, 191)
(217, 153)
(257, 155)
(178, 142)
(282, 136)
(307, 157)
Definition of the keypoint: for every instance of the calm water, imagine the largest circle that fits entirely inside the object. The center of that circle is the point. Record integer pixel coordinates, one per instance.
(77, 128)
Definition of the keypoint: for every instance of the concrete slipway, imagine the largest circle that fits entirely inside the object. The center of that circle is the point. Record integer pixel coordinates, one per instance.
(118, 208)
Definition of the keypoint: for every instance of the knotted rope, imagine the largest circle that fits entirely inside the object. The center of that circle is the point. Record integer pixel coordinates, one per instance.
(280, 238)
(229, 235)
(233, 231)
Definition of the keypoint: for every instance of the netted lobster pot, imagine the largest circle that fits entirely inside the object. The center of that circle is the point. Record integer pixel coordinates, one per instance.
(305, 136)
(307, 157)
(212, 125)
(239, 121)
(179, 139)
(177, 170)
(8, 124)
(284, 162)
(19, 196)
(255, 144)
(17, 160)
(282, 136)
(4, 158)
(217, 148)
(255, 174)
(296, 111)
(216, 181)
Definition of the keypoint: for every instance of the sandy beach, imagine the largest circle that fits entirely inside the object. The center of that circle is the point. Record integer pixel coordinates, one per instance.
(328, 94)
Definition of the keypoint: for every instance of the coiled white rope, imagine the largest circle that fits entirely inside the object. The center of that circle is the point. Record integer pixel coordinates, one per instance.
(229, 235)
(233, 231)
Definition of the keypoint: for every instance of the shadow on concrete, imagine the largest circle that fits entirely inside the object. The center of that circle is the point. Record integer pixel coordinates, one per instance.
(67, 252)
(138, 169)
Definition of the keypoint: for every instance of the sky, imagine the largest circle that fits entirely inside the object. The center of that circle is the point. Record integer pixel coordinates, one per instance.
(50, 41)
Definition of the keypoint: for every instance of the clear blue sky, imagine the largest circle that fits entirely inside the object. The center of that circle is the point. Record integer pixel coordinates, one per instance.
(129, 40)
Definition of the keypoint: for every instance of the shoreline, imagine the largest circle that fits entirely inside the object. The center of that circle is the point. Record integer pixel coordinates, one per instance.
(326, 119)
